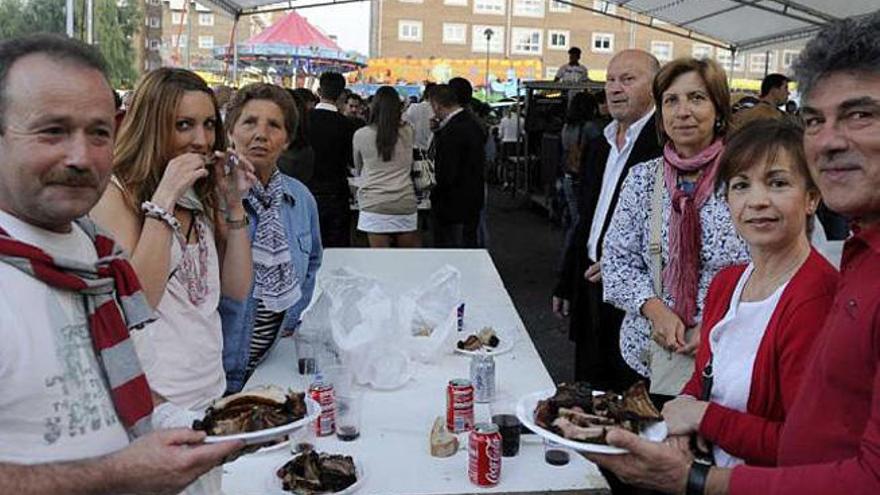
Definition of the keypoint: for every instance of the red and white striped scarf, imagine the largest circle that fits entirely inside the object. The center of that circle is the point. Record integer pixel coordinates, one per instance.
(114, 303)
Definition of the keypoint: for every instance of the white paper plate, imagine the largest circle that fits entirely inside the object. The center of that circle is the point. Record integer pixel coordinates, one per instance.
(505, 345)
(276, 486)
(313, 409)
(525, 411)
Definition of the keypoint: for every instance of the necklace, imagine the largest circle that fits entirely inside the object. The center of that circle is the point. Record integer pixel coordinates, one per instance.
(759, 287)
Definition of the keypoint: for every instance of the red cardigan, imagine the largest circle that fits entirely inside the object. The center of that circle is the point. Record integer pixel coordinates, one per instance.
(779, 363)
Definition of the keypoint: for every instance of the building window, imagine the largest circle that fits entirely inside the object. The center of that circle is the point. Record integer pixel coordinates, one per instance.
(495, 7)
(525, 41)
(206, 19)
(723, 58)
(662, 50)
(454, 34)
(603, 6)
(758, 62)
(206, 42)
(701, 51)
(478, 39)
(177, 18)
(455, 2)
(788, 58)
(557, 40)
(155, 2)
(409, 30)
(559, 6)
(528, 8)
(155, 44)
(153, 22)
(603, 42)
(178, 41)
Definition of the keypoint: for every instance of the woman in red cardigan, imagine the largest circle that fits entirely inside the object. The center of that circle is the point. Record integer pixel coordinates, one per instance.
(760, 319)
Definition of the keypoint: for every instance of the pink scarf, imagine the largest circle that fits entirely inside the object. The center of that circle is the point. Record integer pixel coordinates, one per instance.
(682, 276)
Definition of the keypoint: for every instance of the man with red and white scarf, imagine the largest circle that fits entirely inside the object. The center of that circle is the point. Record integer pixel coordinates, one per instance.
(76, 411)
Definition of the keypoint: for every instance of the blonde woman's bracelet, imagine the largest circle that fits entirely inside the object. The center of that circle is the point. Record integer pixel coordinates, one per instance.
(152, 210)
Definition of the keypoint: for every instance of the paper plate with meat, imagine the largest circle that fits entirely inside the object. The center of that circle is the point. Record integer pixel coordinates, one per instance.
(314, 473)
(578, 417)
(486, 341)
(257, 416)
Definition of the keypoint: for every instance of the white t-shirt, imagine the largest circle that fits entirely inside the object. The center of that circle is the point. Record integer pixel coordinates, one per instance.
(572, 73)
(54, 402)
(734, 342)
(419, 116)
(511, 127)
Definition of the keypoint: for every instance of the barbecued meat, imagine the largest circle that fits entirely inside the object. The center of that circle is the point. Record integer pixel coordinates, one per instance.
(313, 473)
(637, 404)
(576, 413)
(252, 410)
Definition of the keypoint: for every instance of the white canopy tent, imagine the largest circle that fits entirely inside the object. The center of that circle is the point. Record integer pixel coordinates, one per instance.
(732, 24)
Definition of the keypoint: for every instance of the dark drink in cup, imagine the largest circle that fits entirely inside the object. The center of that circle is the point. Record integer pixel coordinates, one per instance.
(510, 428)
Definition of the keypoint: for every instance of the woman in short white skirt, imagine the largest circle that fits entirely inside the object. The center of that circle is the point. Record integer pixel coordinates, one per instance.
(383, 158)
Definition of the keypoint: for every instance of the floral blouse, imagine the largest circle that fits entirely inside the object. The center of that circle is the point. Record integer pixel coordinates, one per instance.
(626, 261)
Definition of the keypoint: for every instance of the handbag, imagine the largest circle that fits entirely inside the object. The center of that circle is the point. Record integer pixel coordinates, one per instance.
(422, 171)
(669, 370)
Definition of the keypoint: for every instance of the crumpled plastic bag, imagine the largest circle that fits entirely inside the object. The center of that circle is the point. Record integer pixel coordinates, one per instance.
(362, 325)
(429, 315)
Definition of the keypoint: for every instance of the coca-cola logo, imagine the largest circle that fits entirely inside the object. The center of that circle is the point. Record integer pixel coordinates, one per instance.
(493, 453)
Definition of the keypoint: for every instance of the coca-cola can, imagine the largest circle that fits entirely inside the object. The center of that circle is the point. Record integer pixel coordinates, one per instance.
(459, 405)
(484, 455)
(322, 393)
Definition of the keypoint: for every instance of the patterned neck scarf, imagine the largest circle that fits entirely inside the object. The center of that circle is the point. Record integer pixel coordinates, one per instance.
(275, 280)
(682, 276)
(114, 304)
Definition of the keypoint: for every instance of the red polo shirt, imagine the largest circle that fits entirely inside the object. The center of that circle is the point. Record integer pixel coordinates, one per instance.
(830, 443)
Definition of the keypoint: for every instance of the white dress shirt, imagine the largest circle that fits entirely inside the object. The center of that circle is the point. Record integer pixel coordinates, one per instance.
(326, 106)
(617, 158)
(419, 116)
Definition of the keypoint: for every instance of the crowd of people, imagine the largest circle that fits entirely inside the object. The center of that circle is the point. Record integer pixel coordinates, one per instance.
(161, 254)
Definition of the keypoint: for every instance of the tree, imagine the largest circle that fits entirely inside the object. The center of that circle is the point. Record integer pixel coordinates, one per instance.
(114, 28)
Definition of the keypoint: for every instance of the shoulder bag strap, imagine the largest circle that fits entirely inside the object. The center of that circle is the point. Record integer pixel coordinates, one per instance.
(655, 247)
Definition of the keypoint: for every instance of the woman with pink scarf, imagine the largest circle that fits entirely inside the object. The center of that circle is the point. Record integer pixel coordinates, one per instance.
(663, 293)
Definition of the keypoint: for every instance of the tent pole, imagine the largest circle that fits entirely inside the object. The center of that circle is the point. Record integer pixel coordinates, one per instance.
(235, 51)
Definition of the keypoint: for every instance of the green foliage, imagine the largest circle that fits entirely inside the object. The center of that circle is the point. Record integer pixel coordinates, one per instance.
(115, 25)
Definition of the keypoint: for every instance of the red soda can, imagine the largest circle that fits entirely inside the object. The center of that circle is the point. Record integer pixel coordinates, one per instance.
(459, 405)
(484, 455)
(322, 393)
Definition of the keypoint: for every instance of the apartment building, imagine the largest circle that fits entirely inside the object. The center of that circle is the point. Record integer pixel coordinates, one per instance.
(543, 30)
(149, 40)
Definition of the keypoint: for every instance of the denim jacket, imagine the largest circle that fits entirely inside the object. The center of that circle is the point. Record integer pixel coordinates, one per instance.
(300, 214)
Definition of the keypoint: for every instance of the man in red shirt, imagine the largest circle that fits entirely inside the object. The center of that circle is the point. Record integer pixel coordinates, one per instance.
(831, 439)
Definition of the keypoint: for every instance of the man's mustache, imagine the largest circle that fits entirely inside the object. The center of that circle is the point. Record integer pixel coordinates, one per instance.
(73, 177)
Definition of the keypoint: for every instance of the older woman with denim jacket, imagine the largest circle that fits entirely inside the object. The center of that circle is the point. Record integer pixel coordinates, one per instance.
(284, 232)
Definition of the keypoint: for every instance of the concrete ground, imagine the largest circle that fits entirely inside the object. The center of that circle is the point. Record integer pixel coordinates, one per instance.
(525, 247)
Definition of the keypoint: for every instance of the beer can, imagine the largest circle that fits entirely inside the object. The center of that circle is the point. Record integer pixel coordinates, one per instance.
(459, 405)
(483, 377)
(322, 393)
(484, 455)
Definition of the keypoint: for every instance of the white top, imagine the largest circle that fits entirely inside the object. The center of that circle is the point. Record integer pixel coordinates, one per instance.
(572, 73)
(734, 342)
(54, 404)
(511, 127)
(393, 445)
(419, 116)
(617, 158)
(182, 351)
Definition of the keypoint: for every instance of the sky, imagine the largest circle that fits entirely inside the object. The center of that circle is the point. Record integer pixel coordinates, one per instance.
(349, 22)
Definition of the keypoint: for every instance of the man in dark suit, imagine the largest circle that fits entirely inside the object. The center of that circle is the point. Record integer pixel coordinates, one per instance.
(631, 138)
(457, 198)
(330, 135)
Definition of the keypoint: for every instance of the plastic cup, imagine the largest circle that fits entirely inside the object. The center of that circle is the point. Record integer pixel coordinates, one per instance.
(348, 415)
(510, 428)
(555, 454)
(306, 354)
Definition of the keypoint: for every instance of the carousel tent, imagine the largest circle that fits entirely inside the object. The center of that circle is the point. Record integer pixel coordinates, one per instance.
(291, 46)
(733, 24)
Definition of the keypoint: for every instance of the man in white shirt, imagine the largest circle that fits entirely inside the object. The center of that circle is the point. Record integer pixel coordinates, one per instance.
(573, 71)
(64, 419)
(629, 139)
(419, 116)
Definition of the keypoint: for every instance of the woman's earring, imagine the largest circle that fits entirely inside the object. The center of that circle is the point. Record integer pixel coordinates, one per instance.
(717, 125)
